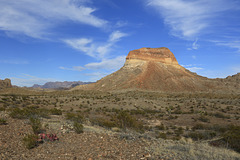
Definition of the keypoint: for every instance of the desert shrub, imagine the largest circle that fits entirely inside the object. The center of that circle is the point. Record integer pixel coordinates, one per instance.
(36, 125)
(220, 115)
(162, 135)
(198, 126)
(204, 119)
(218, 128)
(55, 111)
(232, 137)
(201, 135)
(179, 131)
(103, 122)
(195, 135)
(75, 117)
(78, 127)
(30, 141)
(160, 127)
(28, 112)
(125, 120)
(3, 121)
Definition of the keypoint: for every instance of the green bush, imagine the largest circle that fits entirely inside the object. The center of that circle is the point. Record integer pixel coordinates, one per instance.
(75, 117)
(162, 135)
(78, 127)
(55, 111)
(36, 125)
(103, 122)
(125, 120)
(198, 126)
(201, 135)
(160, 127)
(232, 137)
(204, 119)
(28, 112)
(3, 121)
(30, 141)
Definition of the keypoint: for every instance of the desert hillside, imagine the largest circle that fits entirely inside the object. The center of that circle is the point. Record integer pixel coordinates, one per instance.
(156, 69)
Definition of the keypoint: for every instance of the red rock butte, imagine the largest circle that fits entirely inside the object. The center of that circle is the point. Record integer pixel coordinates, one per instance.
(163, 55)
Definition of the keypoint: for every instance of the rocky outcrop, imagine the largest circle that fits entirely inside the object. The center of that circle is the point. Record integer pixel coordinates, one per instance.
(5, 83)
(157, 69)
(163, 55)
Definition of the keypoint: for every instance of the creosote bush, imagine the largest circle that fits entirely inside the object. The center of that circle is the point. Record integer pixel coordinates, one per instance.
(3, 121)
(125, 120)
(75, 117)
(30, 141)
(78, 127)
(28, 112)
(232, 137)
(104, 122)
(55, 111)
(36, 125)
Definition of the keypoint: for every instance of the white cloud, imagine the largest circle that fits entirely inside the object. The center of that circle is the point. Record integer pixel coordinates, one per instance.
(35, 18)
(95, 49)
(188, 19)
(195, 46)
(28, 80)
(235, 44)
(107, 64)
(116, 36)
(74, 68)
(83, 44)
(194, 69)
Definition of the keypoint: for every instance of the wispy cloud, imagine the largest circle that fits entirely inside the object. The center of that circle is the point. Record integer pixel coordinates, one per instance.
(14, 61)
(235, 44)
(35, 18)
(95, 49)
(194, 69)
(29, 80)
(195, 46)
(74, 68)
(189, 19)
(99, 51)
(109, 64)
(106, 64)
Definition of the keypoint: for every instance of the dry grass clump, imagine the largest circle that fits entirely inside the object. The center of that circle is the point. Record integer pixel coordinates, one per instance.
(188, 150)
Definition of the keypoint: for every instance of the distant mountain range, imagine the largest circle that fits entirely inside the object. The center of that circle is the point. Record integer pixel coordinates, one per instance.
(60, 85)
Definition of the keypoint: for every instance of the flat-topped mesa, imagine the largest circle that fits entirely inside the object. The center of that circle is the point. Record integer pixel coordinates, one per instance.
(163, 55)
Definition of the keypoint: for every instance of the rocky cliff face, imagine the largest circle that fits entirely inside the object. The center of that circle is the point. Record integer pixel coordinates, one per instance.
(163, 55)
(156, 69)
(5, 83)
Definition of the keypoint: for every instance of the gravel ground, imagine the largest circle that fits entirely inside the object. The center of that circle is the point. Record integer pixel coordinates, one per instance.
(97, 143)
(88, 145)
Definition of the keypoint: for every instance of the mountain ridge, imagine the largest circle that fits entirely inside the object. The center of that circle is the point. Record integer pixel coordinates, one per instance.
(59, 85)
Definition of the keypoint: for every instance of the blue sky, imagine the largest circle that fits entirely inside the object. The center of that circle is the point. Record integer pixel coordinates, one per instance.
(71, 40)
